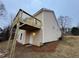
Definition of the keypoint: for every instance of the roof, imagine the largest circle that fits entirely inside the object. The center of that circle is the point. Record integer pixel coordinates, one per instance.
(41, 10)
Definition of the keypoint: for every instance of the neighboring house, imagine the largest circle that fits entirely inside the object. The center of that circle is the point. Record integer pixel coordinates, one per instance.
(46, 28)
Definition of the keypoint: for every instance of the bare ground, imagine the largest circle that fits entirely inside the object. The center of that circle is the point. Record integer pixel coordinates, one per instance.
(69, 47)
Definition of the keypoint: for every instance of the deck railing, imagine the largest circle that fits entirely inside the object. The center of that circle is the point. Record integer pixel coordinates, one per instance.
(28, 19)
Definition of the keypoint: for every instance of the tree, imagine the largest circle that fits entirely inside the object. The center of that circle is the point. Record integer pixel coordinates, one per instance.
(65, 22)
(3, 14)
(2, 9)
(4, 35)
(75, 31)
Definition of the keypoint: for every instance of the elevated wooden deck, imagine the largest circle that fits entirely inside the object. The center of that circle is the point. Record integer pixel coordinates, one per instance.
(27, 21)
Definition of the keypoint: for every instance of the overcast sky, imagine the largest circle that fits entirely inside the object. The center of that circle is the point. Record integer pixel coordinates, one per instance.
(61, 7)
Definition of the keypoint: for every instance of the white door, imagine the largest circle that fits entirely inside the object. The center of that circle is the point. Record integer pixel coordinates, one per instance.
(32, 35)
(31, 39)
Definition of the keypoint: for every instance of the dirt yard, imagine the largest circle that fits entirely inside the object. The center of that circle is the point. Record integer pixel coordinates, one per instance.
(69, 47)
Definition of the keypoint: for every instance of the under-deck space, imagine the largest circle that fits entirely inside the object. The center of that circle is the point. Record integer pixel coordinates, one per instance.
(29, 27)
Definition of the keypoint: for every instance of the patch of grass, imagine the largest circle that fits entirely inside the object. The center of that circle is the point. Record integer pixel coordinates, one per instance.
(66, 41)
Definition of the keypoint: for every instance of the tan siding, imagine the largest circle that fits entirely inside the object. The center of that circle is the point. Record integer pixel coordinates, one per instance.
(37, 38)
(22, 40)
(39, 34)
(51, 29)
(27, 37)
